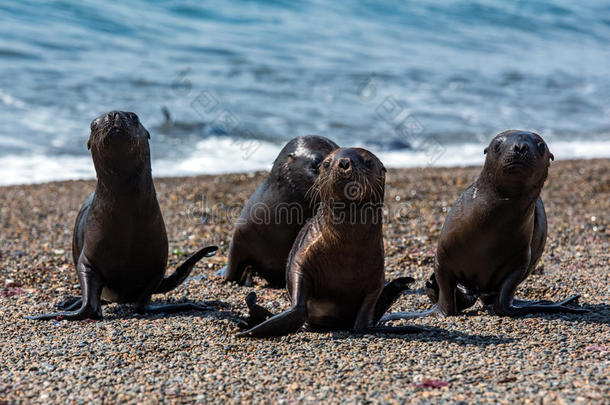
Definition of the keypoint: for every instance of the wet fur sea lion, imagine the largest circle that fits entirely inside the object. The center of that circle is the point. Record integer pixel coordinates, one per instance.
(495, 234)
(120, 244)
(275, 213)
(335, 271)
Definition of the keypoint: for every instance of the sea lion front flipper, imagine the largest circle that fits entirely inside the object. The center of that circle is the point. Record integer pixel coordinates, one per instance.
(366, 313)
(247, 277)
(447, 290)
(91, 305)
(506, 305)
(390, 293)
(184, 270)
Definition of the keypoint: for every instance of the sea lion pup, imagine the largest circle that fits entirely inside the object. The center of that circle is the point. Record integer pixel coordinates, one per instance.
(119, 244)
(495, 234)
(275, 213)
(335, 273)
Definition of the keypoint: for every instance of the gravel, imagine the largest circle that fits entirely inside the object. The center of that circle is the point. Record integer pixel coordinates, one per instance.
(194, 357)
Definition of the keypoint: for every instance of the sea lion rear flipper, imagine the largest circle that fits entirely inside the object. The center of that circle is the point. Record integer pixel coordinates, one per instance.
(258, 314)
(390, 293)
(288, 321)
(282, 324)
(184, 270)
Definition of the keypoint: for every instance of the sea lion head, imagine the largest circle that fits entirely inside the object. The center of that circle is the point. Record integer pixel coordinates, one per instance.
(299, 161)
(518, 161)
(119, 142)
(351, 175)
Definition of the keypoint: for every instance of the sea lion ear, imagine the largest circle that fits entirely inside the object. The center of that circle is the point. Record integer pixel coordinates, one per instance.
(485, 150)
(551, 156)
(383, 169)
(147, 134)
(89, 144)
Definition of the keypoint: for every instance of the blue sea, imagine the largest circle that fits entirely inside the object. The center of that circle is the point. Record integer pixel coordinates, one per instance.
(222, 85)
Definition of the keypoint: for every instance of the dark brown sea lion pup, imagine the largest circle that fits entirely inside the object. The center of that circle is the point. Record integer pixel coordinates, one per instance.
(275, 213)
(335, 271)
(495, 233)
(120, 245)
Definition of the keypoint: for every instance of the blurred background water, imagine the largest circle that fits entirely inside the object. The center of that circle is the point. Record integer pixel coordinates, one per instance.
(222, 85)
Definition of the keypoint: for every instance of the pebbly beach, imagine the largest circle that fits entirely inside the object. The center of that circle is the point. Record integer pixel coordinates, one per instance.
(476, 357)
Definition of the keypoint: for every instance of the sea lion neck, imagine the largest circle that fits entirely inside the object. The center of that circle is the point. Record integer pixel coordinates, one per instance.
(136, 184)
(358, 220)
(501, 188)
(505, 203)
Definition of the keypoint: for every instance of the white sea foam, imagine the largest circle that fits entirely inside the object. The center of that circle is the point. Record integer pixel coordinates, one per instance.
(9, 100)
(223, 155)
(472, 154)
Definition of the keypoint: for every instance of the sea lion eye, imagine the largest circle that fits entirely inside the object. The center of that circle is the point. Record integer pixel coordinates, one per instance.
(541, 147)
(315, 162)
(326, 164)
(496, 146)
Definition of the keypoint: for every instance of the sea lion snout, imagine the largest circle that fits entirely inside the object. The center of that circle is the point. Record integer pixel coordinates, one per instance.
(345, 163)
(117, 130)
(517, 160)
(344, 167)
(352, 174)
(520, 147)
(120, 118)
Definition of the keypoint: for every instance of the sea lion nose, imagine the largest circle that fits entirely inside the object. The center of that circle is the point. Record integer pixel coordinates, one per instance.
(344, 163)
(113, 117)
(520, 147)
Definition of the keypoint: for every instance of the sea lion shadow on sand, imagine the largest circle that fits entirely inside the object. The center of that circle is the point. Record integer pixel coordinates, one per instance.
(215, 310)
(598, 313)
(432, 334)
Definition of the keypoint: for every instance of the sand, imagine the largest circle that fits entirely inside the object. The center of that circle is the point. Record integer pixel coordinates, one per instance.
(475, 358)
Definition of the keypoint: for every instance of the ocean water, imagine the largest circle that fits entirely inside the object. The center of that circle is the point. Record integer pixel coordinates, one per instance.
(417, 82)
